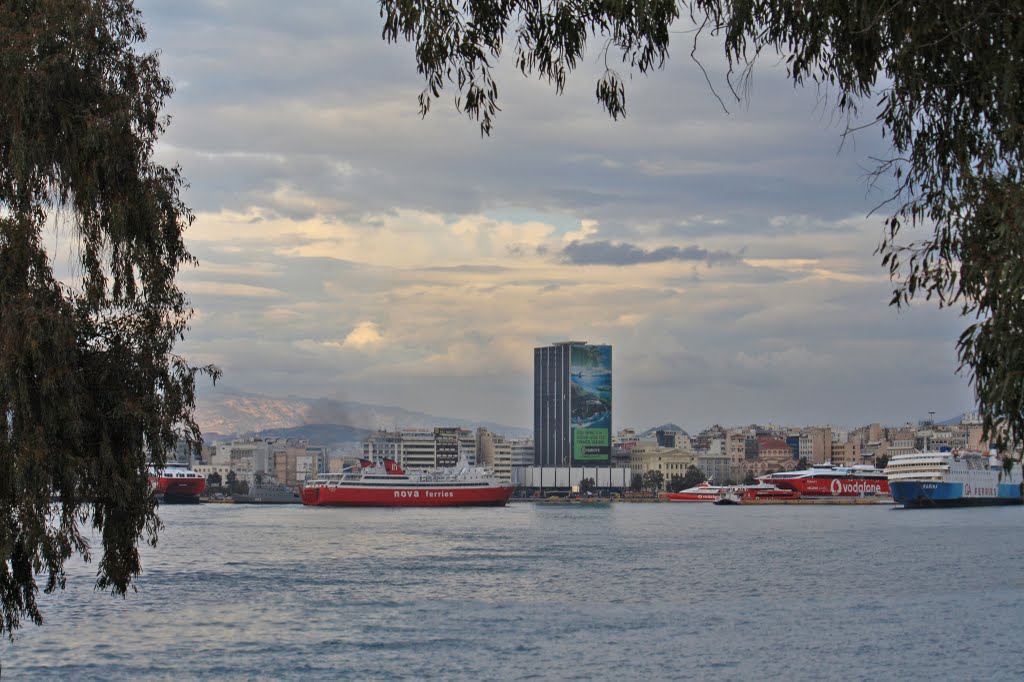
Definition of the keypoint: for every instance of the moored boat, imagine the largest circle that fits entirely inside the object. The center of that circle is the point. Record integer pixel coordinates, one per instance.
(268, 494)
(176, 482)
(705, 492)
(728, 497)
(752, 494)
(828, 480)
(953, 479)
(389, 485)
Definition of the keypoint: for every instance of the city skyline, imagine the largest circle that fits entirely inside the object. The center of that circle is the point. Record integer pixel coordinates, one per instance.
(291, 415)
(350, 250)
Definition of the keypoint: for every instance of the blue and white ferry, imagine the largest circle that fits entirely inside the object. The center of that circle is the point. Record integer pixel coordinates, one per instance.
(953, 479)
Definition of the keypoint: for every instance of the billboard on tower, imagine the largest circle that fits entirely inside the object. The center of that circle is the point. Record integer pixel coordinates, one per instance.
(590, 404)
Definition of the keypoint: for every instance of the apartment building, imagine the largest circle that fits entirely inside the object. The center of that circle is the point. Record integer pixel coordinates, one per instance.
(422, 448)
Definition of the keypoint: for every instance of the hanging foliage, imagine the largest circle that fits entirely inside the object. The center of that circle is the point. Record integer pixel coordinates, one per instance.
(947, 76)
(90, 390)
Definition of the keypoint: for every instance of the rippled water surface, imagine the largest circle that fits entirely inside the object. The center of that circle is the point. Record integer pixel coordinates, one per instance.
(624, 591)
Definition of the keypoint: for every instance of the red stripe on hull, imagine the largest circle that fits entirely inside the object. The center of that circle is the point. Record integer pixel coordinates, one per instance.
(352, 496)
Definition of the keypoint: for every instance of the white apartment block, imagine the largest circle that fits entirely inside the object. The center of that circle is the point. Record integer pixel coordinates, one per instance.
(522, 452)
(418, 449)
(384, 445)
(245, 457)
(716, 447)
(502, 458)
(805, 450)
(422, 448)
(716, 467)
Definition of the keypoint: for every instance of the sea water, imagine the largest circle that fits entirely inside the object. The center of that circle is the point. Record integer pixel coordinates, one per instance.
(539, 592)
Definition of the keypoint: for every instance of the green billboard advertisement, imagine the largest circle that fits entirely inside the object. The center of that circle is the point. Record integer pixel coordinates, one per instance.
(590, 378)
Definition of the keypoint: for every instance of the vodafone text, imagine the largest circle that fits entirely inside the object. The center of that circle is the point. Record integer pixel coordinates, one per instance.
(845, 488)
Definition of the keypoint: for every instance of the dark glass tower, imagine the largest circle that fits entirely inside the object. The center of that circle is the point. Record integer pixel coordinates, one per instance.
(572, 404)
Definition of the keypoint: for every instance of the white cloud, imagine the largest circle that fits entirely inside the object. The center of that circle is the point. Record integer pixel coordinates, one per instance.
(231, 289)
(587, 229)
(366, 335)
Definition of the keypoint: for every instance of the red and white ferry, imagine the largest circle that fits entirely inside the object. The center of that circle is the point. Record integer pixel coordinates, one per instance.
(176, 482)
(705, 492)
(761, 492)
(370, 485)
(828, 480)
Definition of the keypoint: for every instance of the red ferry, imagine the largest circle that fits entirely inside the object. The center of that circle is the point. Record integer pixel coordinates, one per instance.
(764, 492)
(827, 480)
(390, 486)
(176, 483)
(705, 492)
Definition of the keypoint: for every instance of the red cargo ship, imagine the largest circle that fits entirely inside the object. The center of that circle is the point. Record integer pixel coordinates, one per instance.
(390, 486)
(176, 482)
(827, 480)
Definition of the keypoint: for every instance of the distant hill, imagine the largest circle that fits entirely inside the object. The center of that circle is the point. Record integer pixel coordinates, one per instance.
(322, 434)
(224, 413)
(651, 432)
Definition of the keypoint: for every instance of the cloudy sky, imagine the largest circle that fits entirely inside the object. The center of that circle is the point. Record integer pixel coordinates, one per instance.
(350, 249)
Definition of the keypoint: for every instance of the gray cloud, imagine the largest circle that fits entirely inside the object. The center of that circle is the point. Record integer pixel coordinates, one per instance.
(315, 83)
(618, 253)
(301, 111)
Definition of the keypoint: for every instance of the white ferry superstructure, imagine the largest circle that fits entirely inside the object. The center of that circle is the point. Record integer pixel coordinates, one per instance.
(953, 479)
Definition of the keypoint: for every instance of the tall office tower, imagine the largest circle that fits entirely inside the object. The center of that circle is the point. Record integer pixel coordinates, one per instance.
(572, 404)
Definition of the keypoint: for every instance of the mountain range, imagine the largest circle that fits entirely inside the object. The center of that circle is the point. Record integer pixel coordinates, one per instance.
(224, 413)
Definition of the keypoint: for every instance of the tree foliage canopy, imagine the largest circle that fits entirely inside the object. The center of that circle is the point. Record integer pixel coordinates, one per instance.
(653, 480)
(948, 79)
(89, 386)
(692, 478)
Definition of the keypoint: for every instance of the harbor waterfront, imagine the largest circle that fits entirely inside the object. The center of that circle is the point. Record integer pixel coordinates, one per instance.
(528, 591)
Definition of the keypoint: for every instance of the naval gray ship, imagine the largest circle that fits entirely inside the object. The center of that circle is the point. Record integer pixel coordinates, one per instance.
(268, 494)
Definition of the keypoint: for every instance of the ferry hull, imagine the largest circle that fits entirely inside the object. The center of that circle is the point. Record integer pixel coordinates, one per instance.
(180, 491)
(353, 496)
(835, 486)
(705, 492)
(757, 494)
(691, 497)
(174, 498)
(267, 496)
(913, 494)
